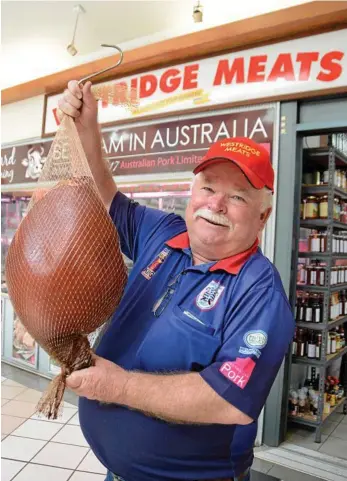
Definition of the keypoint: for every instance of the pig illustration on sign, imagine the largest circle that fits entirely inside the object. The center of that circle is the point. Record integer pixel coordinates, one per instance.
(34, 162)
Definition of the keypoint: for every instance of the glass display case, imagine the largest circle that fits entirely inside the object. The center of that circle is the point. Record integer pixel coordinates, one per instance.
(18, 347)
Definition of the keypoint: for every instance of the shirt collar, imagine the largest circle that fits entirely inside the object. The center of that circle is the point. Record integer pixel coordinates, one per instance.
(231, 264)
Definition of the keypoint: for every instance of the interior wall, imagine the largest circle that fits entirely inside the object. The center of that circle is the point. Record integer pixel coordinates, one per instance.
(22, 120)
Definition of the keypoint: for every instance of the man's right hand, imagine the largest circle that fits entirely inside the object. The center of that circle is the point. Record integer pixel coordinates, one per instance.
(80, 104)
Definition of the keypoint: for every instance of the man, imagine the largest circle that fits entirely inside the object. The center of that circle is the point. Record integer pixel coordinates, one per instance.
(189, 358)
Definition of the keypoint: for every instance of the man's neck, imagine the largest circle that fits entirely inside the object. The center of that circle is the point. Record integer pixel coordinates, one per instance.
(200, 259)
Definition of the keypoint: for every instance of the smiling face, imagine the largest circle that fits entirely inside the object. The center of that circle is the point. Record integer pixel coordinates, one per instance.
(225, 213)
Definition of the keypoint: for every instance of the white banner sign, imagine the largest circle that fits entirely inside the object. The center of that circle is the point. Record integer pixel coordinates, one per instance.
(296, 66)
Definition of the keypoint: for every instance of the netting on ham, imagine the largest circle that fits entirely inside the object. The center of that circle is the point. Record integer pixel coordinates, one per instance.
(64, 269)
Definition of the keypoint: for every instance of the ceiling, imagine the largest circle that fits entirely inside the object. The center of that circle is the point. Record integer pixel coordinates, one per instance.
(35, 34)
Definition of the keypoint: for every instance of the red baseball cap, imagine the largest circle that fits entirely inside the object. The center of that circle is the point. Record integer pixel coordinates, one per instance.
(252, 158)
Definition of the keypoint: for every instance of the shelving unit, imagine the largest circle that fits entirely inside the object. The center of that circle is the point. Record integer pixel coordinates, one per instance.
(328, 158)
(311, 420)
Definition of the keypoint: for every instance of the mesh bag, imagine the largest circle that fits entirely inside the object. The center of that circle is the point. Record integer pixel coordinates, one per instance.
(64, 268)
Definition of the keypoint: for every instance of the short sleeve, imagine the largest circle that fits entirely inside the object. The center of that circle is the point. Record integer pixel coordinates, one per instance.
(137, 225)
(257, 334)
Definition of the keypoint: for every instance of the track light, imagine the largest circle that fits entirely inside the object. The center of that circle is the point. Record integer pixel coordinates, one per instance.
(197, 13)
(71, 48)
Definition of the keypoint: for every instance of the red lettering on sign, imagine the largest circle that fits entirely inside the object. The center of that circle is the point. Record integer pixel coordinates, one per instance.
(225, 73)
(56, 118)
(306, 59)
(169, 81)
(256, 71)
(329, 62)
(283, 68)
(190, 79)
(148, 85)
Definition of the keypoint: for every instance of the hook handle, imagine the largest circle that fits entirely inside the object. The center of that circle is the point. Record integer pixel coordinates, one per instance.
(88, 77)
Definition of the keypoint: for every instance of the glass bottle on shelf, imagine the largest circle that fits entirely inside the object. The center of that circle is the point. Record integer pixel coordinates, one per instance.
(308, 304)
(319, 346)
(320, 275)
(311, 345)
(301, 342)
(324, 241)
(328, 349)
(295, 344)
(314, 242)
(333, 342)
(317, 308)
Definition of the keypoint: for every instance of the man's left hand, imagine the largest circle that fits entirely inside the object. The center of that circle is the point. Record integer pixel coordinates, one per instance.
(105, 381)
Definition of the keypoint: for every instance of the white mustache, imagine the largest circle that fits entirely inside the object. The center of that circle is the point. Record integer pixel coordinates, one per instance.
(212, 217)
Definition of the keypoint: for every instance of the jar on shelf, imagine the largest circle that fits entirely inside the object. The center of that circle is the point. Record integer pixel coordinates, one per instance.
(310, 207)
(337, 208)
(308, 178)
(310, 276)
(334, 244)
(323, 207)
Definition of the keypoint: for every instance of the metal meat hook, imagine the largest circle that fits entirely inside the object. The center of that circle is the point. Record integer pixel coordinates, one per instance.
(108, 68)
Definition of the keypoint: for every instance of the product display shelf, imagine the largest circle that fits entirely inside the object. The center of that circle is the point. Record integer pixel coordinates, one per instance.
(321, 255)
(321, 289)
(319, 326)
(321, 223)
(321, 155)
(320, 362)
(323, 159)
(311, 420)
(311, 189)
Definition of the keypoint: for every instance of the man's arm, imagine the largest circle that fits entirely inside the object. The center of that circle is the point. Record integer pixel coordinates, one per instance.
(82, 107)
(179, 398)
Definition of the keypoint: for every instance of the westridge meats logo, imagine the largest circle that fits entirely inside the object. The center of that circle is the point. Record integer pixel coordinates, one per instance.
(209, 296)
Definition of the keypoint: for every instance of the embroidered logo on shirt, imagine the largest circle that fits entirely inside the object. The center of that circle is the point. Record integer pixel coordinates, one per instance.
(257, 339)
(239, 371)
(209, 296)
(249, 352)
(149, 272)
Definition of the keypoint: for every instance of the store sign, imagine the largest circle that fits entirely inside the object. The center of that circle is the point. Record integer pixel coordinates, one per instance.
(163, 147)
(296, 66)
(23, 164)
(178, 146)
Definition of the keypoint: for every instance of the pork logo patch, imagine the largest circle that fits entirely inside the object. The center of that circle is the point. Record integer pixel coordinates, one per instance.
(149, 272)
(238, 371)
(209, 296)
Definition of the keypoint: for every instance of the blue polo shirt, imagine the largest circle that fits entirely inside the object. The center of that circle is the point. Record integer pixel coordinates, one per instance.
(229, 321)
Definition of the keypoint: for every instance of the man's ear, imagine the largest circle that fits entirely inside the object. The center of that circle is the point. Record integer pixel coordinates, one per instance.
(264, 216)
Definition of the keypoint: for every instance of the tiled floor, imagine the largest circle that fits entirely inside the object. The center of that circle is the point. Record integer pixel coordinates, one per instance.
(35, 449)
(334, 436)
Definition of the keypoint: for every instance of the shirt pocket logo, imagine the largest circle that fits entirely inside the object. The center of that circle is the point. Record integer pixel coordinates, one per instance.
(209, 296)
